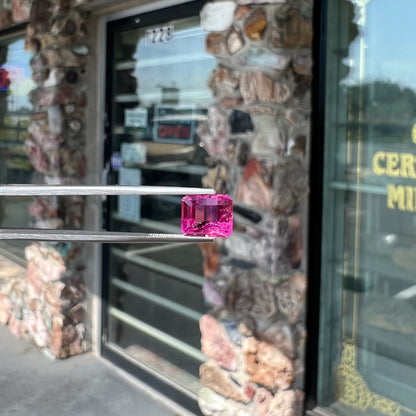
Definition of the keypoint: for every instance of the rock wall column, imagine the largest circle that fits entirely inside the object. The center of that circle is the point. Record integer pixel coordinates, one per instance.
(257, 136)
(56, 34)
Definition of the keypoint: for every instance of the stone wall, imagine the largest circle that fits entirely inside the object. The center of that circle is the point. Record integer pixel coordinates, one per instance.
(257, 135)
(48, 305)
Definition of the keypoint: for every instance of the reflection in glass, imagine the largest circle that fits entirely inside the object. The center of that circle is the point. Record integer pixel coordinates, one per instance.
(158, 100)
(15, 84)
(368, 326)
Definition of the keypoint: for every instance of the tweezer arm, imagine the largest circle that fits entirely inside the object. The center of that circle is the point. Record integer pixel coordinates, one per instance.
(97, 236)
(63, 190)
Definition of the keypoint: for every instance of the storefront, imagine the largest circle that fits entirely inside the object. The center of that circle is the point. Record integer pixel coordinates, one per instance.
(367, 303)
(304, 113)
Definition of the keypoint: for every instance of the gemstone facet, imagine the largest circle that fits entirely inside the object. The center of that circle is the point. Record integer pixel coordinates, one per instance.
(207, 215)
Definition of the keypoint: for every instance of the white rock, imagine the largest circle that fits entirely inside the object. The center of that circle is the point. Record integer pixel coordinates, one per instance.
(216, 17)
(55, 77)
(55, 119)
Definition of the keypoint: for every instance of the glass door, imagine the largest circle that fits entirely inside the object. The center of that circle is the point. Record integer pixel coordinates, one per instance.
(15, 107)
(367, 343)
(157, 98)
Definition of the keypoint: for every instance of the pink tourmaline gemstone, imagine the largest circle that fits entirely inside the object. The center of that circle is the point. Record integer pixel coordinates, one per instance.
(207, 215)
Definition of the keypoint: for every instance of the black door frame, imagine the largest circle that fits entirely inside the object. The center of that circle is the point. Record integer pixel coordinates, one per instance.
(151, 378)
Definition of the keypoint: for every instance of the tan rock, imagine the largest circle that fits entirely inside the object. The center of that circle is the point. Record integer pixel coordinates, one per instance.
(291, 297)
(268, 366)
(292, 30)
(256, 86)
(255, 24)
(234, 42)
(216, 379)
(231, 102)
(252, 190)
(215, 44)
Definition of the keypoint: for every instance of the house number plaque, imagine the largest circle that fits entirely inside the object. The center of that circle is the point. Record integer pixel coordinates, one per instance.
(161, 34)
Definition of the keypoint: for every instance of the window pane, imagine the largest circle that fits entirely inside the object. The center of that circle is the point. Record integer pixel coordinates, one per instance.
(159, 98)
(368, 326)
(15, 85)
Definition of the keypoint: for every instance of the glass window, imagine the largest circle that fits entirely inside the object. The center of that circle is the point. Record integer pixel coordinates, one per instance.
(15, 85)
(367, 362)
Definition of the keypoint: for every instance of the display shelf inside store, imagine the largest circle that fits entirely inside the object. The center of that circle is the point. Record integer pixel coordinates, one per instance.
(384, 343)
(161, 301)
(138, 355)
(126, 98)
(382, 266)
(154, 332)
(157, 266)
(354, 187)
(391, 344)
(367, 122)
(174, 167)
(168, 60)
(200, 97)
(125, 65)
(149, 224)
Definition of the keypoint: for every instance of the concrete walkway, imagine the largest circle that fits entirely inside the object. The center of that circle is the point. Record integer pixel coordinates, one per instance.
(33, 385)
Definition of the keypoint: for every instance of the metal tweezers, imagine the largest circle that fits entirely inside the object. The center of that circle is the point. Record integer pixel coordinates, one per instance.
(97, 236)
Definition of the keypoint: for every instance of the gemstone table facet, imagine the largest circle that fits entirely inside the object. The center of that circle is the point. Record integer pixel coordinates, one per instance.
(207, 215)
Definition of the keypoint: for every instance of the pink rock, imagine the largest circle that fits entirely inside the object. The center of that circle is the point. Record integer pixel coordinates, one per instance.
(15, 326)
(283, 403)
(210, 254)
(252, 189)
(37, 156)
(20, 10)
(40, 331)
(286, 403)
(48, 260)
(42, 208)
(5, 17)
(207, 215)
(213, 133)
(216, 344)
(5, 309)
(35, 282)
(262, 401)
(211, 296)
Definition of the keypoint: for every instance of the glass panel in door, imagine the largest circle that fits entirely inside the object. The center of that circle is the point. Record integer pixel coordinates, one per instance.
(367, 362)
(15, 107)
(157, 99)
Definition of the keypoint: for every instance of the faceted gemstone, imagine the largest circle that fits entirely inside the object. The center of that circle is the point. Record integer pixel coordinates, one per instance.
(207, 215)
